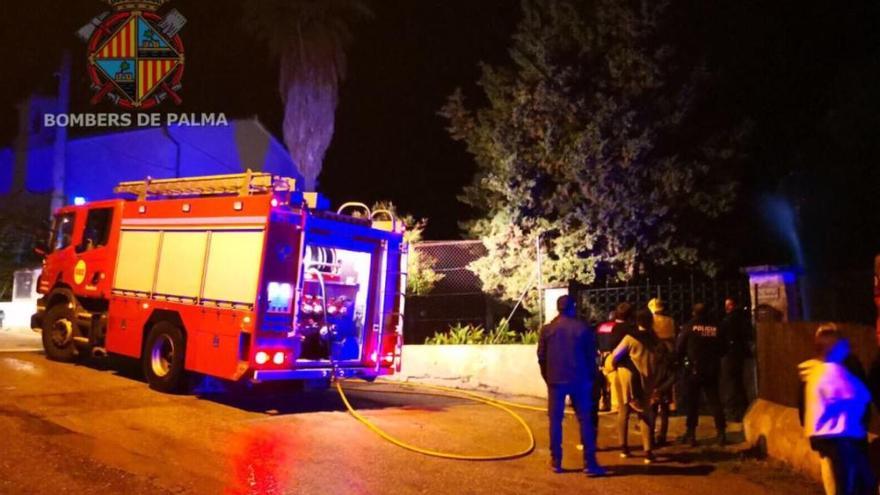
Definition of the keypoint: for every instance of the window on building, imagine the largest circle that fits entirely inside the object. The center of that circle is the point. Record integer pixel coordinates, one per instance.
(62, 233)
(97, 230)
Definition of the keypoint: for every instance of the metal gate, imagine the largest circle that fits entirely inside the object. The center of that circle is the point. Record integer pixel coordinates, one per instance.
(595, 303)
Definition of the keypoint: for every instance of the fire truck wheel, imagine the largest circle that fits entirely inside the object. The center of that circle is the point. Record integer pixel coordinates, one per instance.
(163, 357)
(57, 333)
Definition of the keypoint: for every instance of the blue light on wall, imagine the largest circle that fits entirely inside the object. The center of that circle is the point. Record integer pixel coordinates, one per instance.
(95, 164)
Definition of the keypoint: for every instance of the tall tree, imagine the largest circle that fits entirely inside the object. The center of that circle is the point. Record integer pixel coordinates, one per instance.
(590, 144)
(310, 38)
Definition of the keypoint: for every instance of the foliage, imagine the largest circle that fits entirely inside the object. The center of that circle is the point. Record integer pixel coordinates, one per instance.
(310, 38)
(588, 145)
(502, 334)
(20, 230)
(459, 334)
(529, 337)
(420, 274)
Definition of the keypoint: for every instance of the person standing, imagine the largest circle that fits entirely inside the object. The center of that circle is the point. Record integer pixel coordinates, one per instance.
(834, 411)
(622, 325)
(664, 328)
(567, 359)
(608, 399)
(640, 383)
(737, 329)
(701, 346)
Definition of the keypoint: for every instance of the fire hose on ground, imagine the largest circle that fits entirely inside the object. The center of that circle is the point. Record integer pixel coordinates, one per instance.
(505, 406)
(502, 405)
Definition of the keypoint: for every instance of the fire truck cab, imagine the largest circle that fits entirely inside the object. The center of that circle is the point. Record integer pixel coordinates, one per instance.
(239, 277)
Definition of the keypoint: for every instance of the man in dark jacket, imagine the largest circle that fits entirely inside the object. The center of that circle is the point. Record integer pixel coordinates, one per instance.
(701, 346)
(567, 358)
(737, 329)
(625, 324)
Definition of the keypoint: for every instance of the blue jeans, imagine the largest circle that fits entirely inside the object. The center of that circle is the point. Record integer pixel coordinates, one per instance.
(850, 465)
(582, 398)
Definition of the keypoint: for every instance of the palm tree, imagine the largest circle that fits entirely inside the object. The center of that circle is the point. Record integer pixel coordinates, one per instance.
(310, 38)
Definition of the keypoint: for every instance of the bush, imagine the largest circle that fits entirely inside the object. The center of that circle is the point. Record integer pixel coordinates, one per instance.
(459, 334)
(529, 337)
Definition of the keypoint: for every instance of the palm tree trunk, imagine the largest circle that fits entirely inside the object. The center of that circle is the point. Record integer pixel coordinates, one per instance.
(309, 86)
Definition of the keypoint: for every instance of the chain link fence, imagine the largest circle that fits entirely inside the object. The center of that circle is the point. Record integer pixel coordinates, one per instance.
(457, 298)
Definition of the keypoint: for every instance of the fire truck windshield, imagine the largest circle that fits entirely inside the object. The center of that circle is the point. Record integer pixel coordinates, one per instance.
(62, 233)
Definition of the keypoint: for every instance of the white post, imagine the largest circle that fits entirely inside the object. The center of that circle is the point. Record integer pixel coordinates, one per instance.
(540, 281)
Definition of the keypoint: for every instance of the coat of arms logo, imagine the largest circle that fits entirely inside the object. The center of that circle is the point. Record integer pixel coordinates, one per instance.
(136, 56)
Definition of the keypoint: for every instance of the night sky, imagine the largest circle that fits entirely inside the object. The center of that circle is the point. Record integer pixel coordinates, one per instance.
(805, 74)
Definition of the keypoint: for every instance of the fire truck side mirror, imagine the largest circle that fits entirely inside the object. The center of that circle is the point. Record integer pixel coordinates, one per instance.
(41, 250)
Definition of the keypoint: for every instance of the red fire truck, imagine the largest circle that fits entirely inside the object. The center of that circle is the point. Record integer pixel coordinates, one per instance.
(239, 277)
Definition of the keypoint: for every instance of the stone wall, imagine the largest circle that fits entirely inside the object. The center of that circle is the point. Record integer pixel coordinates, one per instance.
(505, 369)
(777, 429)
(17, 314)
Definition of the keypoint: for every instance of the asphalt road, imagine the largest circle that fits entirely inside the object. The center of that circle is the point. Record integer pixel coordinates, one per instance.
(92, 429)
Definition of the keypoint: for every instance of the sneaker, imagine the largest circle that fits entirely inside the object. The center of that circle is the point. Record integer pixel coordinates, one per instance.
(624, 453)
(556, 466)
(594, 470)
(649, 458)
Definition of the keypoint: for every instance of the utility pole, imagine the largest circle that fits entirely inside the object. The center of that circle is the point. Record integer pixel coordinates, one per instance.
(59, 149)
(540, 281)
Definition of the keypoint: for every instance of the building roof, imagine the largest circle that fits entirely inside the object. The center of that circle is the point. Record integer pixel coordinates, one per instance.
(96, 163)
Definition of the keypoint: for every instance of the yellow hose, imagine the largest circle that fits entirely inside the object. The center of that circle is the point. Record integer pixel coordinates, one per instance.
(483, 397)
(446, 455)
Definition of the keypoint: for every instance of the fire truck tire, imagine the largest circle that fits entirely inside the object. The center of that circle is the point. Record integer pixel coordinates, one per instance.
(163, 357)
(57, 333)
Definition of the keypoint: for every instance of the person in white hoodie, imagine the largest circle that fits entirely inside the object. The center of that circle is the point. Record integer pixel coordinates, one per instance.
(834, 407)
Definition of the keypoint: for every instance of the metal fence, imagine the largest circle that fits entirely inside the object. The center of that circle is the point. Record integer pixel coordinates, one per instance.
(595, 303)
(456, 298)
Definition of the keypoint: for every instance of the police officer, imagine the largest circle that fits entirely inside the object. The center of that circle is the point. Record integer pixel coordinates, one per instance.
(702, 345)
(567, 358)
(737, 329)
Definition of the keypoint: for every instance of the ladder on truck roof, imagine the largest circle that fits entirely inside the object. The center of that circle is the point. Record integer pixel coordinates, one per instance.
(244, 184)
